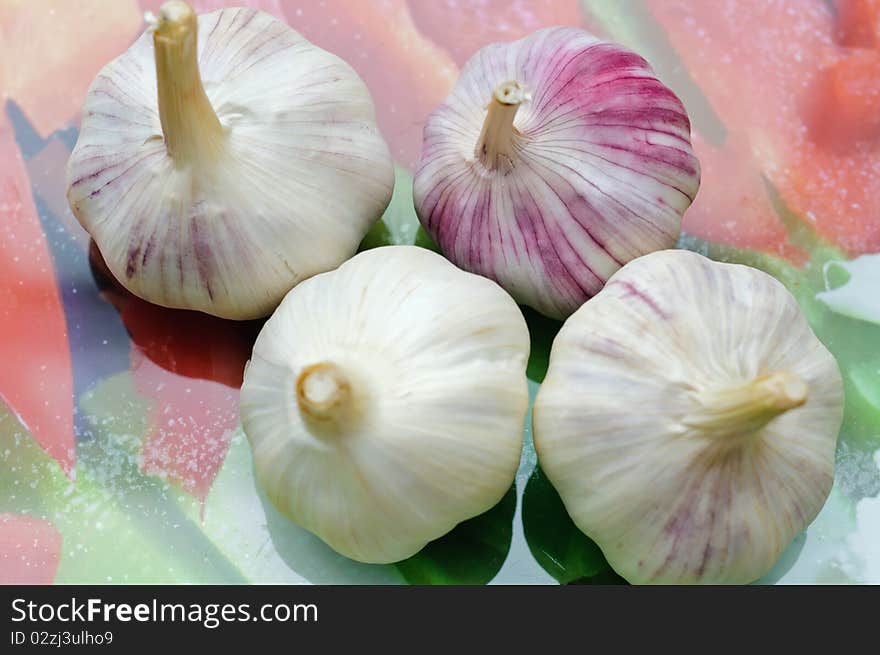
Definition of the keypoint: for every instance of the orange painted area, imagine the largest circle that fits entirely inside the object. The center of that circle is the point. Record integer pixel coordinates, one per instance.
(204, 6)
(733, 205)
(760, 64)
(857, 23)
(30, 549)
(36, 380)
(844, 106)
(462, 27)
(838, 194)
(752, 59)
(407, 74)
(51, 50)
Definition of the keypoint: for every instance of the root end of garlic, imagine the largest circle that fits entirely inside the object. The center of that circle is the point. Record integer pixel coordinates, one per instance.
(497, 143)
(322, 391)
(175, 13)
(745, 408)
(511, 93)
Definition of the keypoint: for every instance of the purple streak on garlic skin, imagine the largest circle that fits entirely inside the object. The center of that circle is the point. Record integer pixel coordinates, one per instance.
(202, 252)
(599, 168)
(632, 290)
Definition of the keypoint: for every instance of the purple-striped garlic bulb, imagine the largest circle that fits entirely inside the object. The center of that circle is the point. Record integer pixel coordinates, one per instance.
(556, 159)
(223, 158)
(689, 420)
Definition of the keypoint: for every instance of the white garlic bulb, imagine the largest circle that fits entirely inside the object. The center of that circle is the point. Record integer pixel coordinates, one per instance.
(689, 419)
(556, 159)
(385, 401)
(223, 158)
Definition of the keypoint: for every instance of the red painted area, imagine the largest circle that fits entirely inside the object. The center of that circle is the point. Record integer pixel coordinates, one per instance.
(30, 549)
(36, 380)
(50, 51)
(190, 344)
(462, 27)
(408, 75)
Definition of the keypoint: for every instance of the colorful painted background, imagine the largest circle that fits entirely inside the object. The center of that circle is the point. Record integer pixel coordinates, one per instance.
(121, 458)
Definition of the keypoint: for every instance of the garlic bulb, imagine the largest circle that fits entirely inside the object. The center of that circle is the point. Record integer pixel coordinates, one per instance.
(223, 159)
(689, 419)
(580, 162)
(385, 401)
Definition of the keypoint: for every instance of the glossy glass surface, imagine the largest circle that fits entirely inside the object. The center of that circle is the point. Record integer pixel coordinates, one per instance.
(121, 457)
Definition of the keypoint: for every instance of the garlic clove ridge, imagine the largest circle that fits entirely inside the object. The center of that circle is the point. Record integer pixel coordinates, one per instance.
(385, 401)
(223, 159)
(555, 160)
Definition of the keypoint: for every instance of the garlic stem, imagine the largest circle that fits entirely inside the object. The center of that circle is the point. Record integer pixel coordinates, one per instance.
(498, 137)
(745, 408)
(192, 131)
(323, 391)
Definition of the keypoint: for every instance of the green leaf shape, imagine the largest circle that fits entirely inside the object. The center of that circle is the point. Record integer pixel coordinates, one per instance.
(542, 331)
(424, 240)
(565, 552)
(471, 554)
(379, 235)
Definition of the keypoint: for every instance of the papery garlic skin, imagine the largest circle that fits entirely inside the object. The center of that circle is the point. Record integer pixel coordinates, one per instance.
(689, 420)
(385, 401)
(271, 174)
(596, 169)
